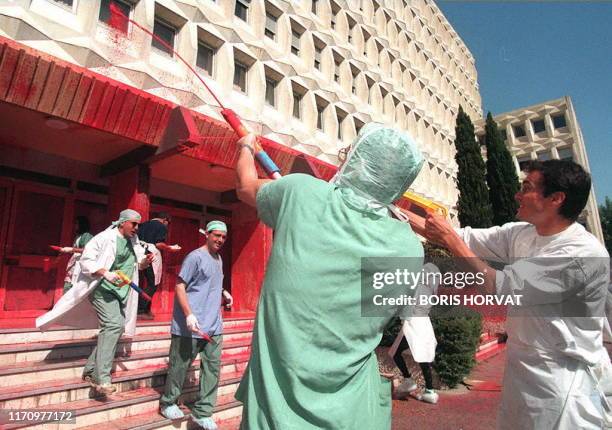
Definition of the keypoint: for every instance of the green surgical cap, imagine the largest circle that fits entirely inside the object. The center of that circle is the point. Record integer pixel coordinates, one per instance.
(216, 225)
(379, 168)
(127, 215)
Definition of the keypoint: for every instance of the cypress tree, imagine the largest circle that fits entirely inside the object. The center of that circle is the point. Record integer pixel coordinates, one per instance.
(501, 175)
(473, 205)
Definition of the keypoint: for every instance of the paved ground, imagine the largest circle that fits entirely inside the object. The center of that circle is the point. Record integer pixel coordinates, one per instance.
(459, 409)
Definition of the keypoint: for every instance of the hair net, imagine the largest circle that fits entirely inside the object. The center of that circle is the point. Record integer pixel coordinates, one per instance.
(216, 225)
(127, 215)
(379, 168)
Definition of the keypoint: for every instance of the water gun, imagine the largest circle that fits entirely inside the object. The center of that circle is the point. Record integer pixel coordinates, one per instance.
(125, 280)
(426, 204)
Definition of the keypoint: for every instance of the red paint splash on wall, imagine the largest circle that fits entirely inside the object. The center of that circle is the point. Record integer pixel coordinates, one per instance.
(118, 21)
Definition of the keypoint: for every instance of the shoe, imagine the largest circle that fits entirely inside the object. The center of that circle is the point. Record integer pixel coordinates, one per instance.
(172, 412)
(89, 380)
(408, 385)
(105, 389)
(206, 423)
(429, 396)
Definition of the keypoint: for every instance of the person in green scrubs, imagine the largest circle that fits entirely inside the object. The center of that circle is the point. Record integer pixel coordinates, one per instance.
(109, 252)
(81, 226)
(312, 362)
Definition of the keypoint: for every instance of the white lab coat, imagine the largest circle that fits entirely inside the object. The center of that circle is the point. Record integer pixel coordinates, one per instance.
(548, 382)
(417, 328)
(74, 309)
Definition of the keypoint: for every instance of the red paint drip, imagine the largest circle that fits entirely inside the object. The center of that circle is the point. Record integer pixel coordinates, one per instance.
(118, 20)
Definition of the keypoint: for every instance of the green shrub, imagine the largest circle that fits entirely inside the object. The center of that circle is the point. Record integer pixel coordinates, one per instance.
(458, 332)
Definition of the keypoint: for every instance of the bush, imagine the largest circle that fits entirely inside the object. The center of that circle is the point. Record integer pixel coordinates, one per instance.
(458, 332)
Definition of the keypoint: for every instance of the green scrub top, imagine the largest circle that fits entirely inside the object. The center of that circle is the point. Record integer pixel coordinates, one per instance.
(125, 260)
(312, 363)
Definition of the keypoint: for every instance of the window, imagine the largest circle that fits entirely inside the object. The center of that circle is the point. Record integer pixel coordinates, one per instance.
(313, 7)
(566, 153)
(338, 62)
(65, 2)
(519, 130)
(271, 91)
(105, 14)
(317, 57)
(544, 155)
(523, 160)
(481, 139)
(240, 76)
(320, 110)
(205, 57)
(241, 9)
(295, 42)
(270, 30)
(333, 22)
(297, 105)
(166, 32)
(341, 115)
(503, 134)
(559, 121)
(538, 125)
(358, 125)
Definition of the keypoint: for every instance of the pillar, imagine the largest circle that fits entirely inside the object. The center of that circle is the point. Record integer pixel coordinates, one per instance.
(130, 190)
(251, 245)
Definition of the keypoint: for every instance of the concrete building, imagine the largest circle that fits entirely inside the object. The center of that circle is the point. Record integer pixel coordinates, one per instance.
(86, 102)
(546, 131)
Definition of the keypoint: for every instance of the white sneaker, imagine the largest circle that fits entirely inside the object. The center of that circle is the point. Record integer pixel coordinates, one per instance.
(172, 412)
(429, 396)
(206, 423)
(408, 385)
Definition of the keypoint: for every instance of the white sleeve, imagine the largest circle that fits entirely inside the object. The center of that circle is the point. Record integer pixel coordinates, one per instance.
(493, 244)
(91, 258)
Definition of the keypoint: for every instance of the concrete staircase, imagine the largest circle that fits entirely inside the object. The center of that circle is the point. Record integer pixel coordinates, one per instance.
(43, 371)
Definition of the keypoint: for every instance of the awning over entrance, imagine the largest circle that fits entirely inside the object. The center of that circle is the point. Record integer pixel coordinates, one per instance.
(34, 80)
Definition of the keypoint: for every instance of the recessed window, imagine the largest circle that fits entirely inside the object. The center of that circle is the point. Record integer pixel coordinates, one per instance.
(241, 9)
(205, 57)
(105, 14)
(566, 154)
(544, 155)
(337, 62)
(317, 57)
(559, 121)
(538, 126)
(295, 42)
(313, 7)
(320, 110)
(65, 2)
(523, 160)
(271, 91)
(341, 117)
(519, 130)
(271, 22)
(504, 135)
(166, 32)
(481, 139)
(240, 76)
(297, 105)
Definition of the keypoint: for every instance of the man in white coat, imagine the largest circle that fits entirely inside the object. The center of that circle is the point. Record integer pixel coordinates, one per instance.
(555, 353)
(97, 286)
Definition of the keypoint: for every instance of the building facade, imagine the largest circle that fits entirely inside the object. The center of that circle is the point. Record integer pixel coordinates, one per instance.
(86, 102)
(547, 131)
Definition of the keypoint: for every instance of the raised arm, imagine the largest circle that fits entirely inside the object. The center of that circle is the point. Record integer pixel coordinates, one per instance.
(247, 180)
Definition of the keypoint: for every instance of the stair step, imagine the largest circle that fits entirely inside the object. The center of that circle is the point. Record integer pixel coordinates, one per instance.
(489, 352)
(15, 374)
(158, 422)
(90, 412)
(33, 335)
(49, 351)
(56, 391)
